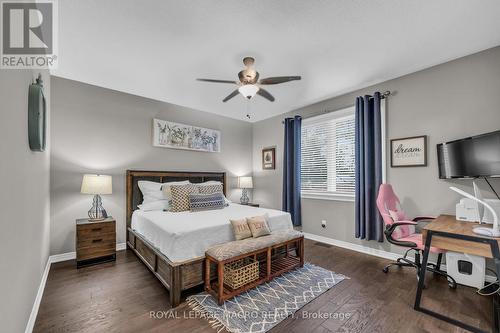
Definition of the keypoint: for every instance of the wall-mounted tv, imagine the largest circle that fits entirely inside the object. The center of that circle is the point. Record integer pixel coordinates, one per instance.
(477, 156)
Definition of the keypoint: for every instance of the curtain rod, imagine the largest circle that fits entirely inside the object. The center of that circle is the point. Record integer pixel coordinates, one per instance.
(383, 95)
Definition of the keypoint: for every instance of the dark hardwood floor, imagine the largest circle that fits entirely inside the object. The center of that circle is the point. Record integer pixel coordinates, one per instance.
(118, 297)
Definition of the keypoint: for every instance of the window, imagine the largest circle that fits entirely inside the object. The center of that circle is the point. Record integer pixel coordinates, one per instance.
(328, 156)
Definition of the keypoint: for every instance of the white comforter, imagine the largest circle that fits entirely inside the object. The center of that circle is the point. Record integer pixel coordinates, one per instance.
(185, 235)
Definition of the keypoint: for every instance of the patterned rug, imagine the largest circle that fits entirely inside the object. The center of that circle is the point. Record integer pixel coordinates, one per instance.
(262, 308)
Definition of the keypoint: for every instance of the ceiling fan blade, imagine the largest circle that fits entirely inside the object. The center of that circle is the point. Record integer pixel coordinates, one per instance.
(265, 94)
(217, 81)
(231, 95)
(279, 79)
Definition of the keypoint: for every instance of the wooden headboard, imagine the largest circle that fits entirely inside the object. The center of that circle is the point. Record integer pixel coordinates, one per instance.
(134, 195)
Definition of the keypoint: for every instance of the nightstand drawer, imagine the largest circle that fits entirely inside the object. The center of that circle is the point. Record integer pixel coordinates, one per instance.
(95, 252)
(97, 240)
(91, 231)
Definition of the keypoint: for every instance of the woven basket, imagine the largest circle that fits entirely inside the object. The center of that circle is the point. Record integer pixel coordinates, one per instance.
(240, 272)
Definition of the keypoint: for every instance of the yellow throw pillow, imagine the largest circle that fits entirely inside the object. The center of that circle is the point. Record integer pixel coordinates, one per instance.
(258, 226)
(241, 229)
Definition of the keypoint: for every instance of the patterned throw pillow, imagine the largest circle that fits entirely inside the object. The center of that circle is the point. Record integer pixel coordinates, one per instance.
(166, 189)
(241, 229)
(258, 226)
(198, 202)
(180, 197)
(210, 188)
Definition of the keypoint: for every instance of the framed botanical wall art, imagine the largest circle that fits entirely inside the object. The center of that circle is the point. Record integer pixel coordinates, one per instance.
(167, 134)
(409, 152)
(269, 158)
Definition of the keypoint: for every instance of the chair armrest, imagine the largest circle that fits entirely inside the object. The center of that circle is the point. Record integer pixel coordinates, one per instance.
(423, 218)
(390, 229)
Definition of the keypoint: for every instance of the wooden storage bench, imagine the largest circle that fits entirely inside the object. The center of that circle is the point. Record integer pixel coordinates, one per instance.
(273, 253)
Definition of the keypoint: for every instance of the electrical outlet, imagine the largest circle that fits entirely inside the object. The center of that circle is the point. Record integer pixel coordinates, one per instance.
(323, 223)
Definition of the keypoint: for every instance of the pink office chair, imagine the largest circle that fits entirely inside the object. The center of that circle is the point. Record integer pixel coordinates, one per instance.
(399, 230)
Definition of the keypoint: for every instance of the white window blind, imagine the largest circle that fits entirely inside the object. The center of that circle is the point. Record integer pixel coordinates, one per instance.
(327, 165)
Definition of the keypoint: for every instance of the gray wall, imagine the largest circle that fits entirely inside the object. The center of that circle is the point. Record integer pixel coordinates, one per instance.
(24, 175)
(97, 130)
(445, 102)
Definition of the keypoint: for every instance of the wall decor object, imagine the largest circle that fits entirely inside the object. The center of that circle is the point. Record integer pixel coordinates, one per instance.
(409, 152)
(269, 158)
(37, 108)
(167, 134)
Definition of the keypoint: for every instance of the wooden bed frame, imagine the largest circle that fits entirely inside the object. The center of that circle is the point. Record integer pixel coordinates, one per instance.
(176, 277)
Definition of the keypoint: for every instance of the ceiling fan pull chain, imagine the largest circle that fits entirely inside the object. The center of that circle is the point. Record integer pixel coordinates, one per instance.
(248, 109)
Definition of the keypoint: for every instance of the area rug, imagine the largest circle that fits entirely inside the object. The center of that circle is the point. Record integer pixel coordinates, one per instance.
(262, 308)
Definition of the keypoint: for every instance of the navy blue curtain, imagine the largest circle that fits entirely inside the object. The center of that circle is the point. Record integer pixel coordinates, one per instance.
(291, 169)
(369, 224)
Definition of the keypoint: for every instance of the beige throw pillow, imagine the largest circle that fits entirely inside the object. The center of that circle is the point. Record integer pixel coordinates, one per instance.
(258, 226)
(241, 229)
(210, 188)
(167, 189)
(180, 197)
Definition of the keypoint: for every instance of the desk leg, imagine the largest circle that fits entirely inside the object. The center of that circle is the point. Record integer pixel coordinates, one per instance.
(423, 270)
(496, 255)
(421, 280)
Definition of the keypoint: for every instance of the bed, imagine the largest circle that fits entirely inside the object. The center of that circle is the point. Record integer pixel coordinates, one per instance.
(172, 245)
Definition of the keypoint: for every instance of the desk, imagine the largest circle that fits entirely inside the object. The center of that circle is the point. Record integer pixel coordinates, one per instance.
(447, 233)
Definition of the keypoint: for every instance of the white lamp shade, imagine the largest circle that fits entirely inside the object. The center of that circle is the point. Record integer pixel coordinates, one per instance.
(248, 90)
(245, 182)
(97, 184)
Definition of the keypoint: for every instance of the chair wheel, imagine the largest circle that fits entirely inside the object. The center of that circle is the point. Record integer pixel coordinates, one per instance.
(452, 285)
(385, 269)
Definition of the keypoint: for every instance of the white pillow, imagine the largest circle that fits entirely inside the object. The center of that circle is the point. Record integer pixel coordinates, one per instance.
(154, 205)
(154, 191)
(151, 191)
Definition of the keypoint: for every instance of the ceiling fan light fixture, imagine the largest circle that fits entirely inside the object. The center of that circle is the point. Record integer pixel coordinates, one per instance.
(248, 90)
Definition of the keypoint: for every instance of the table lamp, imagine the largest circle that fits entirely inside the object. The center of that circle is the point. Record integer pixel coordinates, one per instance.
(245, 183)
(97, 185)
(492, 232)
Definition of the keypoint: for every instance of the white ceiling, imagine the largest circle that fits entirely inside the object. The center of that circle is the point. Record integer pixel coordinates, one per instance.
(158, 48)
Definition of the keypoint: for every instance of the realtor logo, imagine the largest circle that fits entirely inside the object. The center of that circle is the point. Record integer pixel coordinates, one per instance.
(29, 35)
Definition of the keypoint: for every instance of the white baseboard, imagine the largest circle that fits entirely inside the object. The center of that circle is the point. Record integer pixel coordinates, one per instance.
(53, 259)
(38, 298)
(353, 247)
(72, 255)
(369, 250)
(62, 257)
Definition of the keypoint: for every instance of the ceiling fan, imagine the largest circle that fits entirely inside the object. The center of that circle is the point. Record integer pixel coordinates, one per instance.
(249, 84)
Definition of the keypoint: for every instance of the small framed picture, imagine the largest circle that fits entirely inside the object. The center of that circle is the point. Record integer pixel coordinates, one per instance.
(409, 152)
(269, 158)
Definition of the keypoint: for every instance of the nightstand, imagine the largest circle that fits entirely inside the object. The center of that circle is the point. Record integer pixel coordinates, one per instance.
(252, 204)
(95, 241)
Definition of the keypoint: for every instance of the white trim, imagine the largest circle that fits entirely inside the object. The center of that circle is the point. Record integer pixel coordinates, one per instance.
(353, 247)
(72, 255)
(121, 246)
(327, 196)
(334, 114)
(53, 259)
(368, 250)
(38, 298)
(62, 257)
